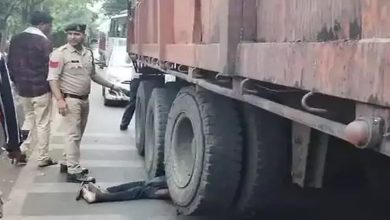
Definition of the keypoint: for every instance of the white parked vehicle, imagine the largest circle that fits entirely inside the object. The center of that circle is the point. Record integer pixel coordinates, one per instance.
(120, 70)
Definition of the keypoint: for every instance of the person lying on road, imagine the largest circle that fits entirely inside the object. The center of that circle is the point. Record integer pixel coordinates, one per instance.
(154, 189)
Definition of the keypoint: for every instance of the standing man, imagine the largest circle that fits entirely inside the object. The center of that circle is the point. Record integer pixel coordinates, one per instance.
(28, 64)
(71, 69)
(130, 108)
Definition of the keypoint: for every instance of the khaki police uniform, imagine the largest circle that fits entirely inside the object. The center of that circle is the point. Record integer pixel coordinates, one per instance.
(73, 70)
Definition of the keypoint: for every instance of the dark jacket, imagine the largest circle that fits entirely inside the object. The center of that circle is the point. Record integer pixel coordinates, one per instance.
(28, 62)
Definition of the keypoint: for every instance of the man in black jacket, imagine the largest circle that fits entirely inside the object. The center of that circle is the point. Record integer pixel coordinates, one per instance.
(28, 62)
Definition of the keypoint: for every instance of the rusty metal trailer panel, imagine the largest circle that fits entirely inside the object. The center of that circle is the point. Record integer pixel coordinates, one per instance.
(336, 48)
(314, 45)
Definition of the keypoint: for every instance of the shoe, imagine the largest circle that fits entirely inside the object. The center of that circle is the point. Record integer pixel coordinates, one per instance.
(64, 169)
(123, 127)
(17, 157)
(22, 159)
(46, 163)
(79, 178)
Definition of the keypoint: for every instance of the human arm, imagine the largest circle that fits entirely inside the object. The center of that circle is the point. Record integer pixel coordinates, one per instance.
(102, 81)
(56, 65)
(55, 89)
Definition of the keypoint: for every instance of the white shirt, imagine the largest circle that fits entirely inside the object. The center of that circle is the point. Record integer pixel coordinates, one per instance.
(34, 30)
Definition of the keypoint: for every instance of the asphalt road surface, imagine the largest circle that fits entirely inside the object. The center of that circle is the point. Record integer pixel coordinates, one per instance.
(32, 193)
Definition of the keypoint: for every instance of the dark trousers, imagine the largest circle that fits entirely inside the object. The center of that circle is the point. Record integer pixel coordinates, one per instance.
(130, 108)
(8, 117)
(133, 191)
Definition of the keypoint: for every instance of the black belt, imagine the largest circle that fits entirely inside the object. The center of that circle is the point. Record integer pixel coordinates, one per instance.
(82, 97)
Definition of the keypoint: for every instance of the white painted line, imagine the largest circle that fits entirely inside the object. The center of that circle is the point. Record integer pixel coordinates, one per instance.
(111, 135)
(72, 217)
(15, 201)
(64, 187)
(111, 163)
(98, 147)
(106, 163)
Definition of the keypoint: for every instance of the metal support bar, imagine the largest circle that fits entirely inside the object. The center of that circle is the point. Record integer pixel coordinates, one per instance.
(319, 123)
(310, 149)
(300, 141)
(317, 159)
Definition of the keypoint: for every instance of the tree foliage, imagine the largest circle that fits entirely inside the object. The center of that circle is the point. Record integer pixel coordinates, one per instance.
(112, 7)
(15, 14)
(70, 11)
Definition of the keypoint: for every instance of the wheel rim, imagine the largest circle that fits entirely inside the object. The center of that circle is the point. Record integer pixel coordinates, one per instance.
(183, 152)
(149, 147)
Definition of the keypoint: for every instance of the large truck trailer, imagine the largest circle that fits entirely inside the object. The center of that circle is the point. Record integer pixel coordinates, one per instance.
(268, 94)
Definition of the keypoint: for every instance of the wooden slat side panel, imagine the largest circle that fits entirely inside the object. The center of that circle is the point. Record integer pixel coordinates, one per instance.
(249, 20)
(150, 50)
(184, 17)
(376, 18)
(165, 25)
(210, 20)
(352, 70)
(193, 55)
(308, 20)
(201, 56)
(151, 21)
(230, 30)
(155, 22)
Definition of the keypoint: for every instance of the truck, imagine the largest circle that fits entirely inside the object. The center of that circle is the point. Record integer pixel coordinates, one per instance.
(267, 94)
(112, 33)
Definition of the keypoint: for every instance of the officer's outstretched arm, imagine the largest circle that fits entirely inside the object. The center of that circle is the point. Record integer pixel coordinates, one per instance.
(101, 81)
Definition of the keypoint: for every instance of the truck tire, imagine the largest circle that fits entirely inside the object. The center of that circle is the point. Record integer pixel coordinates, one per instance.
(266, 159)
(143, 94)
(156, 121)
(203, 151)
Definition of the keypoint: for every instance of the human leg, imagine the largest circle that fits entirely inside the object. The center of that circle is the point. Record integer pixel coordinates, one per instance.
(42, 112)
(74, 125)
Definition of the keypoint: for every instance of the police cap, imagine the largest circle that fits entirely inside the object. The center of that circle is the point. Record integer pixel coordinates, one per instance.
(76, 27)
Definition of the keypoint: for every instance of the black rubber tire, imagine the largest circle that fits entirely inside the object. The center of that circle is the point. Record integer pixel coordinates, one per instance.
(156, 121)
(143, 94)
(215, 149)
(106, 102)
(266, 163)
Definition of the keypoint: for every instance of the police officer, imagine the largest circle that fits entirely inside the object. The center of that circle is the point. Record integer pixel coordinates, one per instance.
(71, 69)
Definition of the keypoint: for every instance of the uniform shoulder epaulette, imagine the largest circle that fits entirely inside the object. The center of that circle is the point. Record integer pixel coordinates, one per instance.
(63, 47)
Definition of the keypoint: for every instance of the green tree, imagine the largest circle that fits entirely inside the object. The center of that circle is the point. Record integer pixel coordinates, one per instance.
(112, 7)
(7, 7)
(70, 11)
(15, 14)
